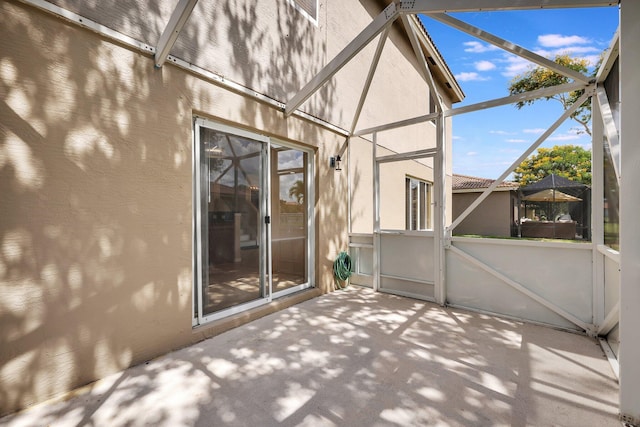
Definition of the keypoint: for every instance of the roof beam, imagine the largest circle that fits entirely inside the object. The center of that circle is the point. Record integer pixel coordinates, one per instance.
(441, 6)
(509, 47)
(382, 21)
(170, 34)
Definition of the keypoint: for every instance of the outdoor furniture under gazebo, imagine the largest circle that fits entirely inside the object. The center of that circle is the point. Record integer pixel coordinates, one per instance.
(555, 207)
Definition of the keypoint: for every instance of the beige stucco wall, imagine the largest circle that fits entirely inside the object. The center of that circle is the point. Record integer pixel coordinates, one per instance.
(492, 217)
(96, 170)
(96, 205)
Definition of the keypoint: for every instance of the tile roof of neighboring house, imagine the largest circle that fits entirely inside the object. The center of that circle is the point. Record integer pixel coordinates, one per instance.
(465, 182)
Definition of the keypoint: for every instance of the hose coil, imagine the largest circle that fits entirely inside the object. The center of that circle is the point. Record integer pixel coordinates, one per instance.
(342, 269)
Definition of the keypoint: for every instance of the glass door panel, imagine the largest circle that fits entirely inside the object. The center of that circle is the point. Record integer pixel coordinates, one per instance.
(232, 218)
(289, 225)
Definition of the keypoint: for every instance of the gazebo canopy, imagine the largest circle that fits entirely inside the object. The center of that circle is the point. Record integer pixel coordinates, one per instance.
(554, 182)
(551, 195)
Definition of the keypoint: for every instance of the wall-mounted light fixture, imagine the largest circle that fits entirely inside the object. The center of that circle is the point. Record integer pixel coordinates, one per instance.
(334, 162)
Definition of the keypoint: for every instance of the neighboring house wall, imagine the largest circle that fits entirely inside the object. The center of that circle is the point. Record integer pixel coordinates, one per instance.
(493, 217)
(96, 262)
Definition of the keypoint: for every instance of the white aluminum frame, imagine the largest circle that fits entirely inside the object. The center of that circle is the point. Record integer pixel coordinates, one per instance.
(310, 238)
(435, 212)
(428, 214)
(610, 129)
(369, 79)
(410, 27)
(509, 47)
(266, 264)
(589, 328)
(629, 203)
(442, 6)
(202, 319)
(381, 22)
(147, 49)
(178, 18)
(628, 36)
(597, 216)
(520, 159)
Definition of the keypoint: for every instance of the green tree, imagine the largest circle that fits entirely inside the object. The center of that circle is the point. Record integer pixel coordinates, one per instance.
(540, 77)
(570, 161)
(297, 191)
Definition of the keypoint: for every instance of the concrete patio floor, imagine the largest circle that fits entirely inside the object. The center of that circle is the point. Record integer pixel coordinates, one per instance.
(357, 358)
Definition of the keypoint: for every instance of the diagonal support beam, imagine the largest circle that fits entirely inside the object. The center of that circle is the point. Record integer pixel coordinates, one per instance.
(509, 47)
(520, 159)
(382, 21)
(430, 6)
(170, 34)
(367, 83)
(610, 129)
(512, 99)
(612, 53)
(612, 319)
(410, 28)
(519, 287)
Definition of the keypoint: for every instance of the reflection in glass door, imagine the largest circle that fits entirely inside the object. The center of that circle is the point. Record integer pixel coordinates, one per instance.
(290, 218)
(232, 216)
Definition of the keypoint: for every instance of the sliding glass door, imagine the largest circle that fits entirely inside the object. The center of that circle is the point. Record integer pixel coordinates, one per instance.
(252, 220)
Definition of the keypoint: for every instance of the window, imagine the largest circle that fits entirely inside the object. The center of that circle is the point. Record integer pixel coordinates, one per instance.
(308, 8)
(418, 204)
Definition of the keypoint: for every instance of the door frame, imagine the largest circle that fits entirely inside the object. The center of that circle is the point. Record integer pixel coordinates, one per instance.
(266, 261)
(310, 241)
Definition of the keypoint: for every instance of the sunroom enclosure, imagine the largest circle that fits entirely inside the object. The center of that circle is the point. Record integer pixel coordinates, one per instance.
(598, 294)
(580, 286)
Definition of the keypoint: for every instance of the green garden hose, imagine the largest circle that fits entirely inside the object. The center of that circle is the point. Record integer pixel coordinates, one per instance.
(342, 270)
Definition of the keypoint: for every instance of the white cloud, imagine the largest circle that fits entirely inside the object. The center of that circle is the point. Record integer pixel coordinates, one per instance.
(472, 153)
(516, 140)
(501, 132)
(455, 137)
(484, 65)
(593, 59)
(578, 51)
(477, 47)
(565, 137)
(575, 50)
(536, 131)
(515, 65)
(470, 77)
(558, 40)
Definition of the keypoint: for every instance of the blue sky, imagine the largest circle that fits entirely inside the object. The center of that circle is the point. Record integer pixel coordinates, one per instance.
(486, 143)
